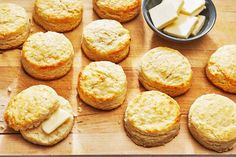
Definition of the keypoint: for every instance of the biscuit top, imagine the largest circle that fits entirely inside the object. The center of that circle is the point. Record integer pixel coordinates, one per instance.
(153, 112)
(223, 62)
(13, 19)
(106, 36)
(59, 9)
(47, 49)
(103, 80)
(30, 107)
(215, 117)
(166, 66)
(118, 5)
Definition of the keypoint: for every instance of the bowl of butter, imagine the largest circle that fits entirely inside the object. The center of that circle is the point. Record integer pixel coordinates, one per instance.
(180, 20)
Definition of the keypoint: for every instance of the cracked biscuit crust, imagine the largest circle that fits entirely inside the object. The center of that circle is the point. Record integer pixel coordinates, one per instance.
(102, 85)
(14, 25)
(58, 15)
(47, 55)
(152, 119)
(38, 136)
(30, 107)
(106, 40)
(212, 122)
(166, 70)
(221, 68)
(120, 10)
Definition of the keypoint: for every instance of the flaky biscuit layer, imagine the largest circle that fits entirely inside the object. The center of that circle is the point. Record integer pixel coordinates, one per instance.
(221, 68)
(166, 70)
(106, 40)
(47, 55)
(102, 85)
(152, 119)
(212, 122)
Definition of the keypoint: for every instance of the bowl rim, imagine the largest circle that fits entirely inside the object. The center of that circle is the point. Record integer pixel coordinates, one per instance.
(166, 36)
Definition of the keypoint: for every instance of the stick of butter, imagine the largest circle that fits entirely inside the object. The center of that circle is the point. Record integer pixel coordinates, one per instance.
(178, 4)
(197, 12)
(199, 25)
(163, 14)
(182, 27)
(190, 6)
(56, 119)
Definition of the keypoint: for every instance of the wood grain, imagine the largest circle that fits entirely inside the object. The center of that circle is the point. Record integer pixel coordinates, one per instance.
(99, 132)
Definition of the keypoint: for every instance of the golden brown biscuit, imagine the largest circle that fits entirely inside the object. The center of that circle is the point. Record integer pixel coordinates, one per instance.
(221, 68)
(58, 15)
(166, 70)
(102, 85)
(14, 25)
(47, 55)
(120, 10)
(152, 119)
(212, 122)
(38, 136)
(106, 40)
(30, 107)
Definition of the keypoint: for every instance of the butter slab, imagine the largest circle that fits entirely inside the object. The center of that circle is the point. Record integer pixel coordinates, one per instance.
(182, 27)
(163, 14)
(56, 120)
(199, 25)
(197, 12)
(190, 6)
(178, 4)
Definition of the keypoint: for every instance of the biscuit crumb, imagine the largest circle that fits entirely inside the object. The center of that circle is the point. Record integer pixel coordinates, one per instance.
(2, 127)
(75, 114)
(119, 122)
(9, 90)
(79, 109)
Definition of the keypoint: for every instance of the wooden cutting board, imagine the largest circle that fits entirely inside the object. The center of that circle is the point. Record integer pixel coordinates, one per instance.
(99, 132)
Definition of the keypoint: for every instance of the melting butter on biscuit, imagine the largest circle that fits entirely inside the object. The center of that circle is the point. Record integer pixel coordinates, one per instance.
(56, 120)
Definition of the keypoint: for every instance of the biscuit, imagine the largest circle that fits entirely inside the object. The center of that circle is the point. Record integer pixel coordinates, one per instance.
(38, 136)
(152, 119)
(166, 70)
(30, 107)
(102, 85)
(221, 68)
(106, 40)
(212, 122)
(120, 10)
(14, 25)
(47, 56)
(58, 15)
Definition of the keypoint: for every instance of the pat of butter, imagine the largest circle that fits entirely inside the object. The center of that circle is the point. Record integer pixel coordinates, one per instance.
(197, 12)
(56, 119)
(163, 14)
(182, 27)
(178, 4)
(190, 6)
(199, 25)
